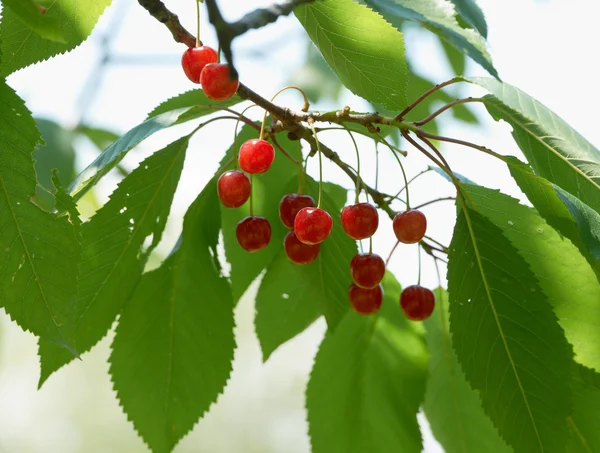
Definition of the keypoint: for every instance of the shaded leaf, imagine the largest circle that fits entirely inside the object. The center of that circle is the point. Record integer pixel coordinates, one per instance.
(470, 12)
(563, 274)
(172, 352)
(368, 382)
(452, 407)
(365, 51)
(585, 436)
(292, 297)
(117, 242)
(507, 338)
(565, 213)
(439, 17)
(22, 48)
(33, 15)
(554, 149)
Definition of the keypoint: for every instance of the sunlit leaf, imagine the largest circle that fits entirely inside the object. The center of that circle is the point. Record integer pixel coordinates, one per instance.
(34, 16)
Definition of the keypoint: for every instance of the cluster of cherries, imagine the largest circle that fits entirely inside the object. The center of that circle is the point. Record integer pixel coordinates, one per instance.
(309, 224)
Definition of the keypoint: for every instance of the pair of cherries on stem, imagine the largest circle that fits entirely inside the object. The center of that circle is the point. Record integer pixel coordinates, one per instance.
(201, 65)
(234, 188)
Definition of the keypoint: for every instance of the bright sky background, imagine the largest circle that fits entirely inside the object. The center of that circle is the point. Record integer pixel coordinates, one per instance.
(544, 47)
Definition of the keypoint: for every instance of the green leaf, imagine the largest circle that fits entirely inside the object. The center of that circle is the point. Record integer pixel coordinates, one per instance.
(102, 138)
(116, 248)
(368, 382)
(365, 51)
(438, 16)
(565, 213)
(292, 297)
(564, 276)
(57, 153)
(77, 19)
(267, 189)
(452, 407)
(193, 98)
(470, 12)
(39, 252)
(171, 356)
(585, 436)
(112, 155)
(457, 60)
(554, 149)
(33, 15)
(507, 337)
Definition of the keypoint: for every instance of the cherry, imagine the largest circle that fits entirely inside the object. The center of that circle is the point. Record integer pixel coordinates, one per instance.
(417, 302)
(233, 188)
(194, 59)
(367, 270)
(312, 225)
(299, 252)
(410, 226)
(217, 83)
(360, 221)
(256, 156)
(365, 301)
(253, 233)
(289, 206)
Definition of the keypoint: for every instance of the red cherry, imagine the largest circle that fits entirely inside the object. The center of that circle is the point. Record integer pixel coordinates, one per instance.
(410, 226)
(417, 302)
(253, 233)
(367, 270)
(312, 225)
(365, 301)
(360, 221)
(194, 59)
(256, 156)
(216, 82)
(233, 188)
(298, 252)
(289, 206)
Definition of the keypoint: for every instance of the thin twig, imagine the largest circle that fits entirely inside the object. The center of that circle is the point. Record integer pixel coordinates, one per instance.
(159, 11)
(444, 108)
(434, 201)
(439, 86)
(460, 142)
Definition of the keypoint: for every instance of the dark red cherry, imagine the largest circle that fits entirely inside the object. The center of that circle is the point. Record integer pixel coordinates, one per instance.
(195, 59)
(410, 226)
(233, 188)
(417, 302)
(291, 204)
(312, 225)
(360, 221)
(256, 156)
(299, 252)
(216, 83)
(367, 270)
(253, 233)
(365, 301)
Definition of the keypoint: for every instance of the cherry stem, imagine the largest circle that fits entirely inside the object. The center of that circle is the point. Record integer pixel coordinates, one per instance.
(305, 106)
(439, 86)
(312, 126)
(358, 178)
(434, 201)
(198, 42)
(419, 256)
(427, 153)
(376, 165)
(446, 107)
(235, 133)
(284, 152)
(395, 197)
(251, 195)
(387, 261)
(438, 153)
(444, 248)
(407, 202)
(370, 245)
(422, 133)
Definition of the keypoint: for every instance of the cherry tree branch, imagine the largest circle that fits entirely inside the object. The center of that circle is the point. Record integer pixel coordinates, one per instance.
(159, 11)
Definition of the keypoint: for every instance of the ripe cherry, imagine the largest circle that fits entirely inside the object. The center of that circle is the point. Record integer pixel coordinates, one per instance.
(312, 225)
(367, 270)
(233, 188)
(194, 59)
(216, 82)
(291, 204)
(360, 221)
(253, 233)
(410, 226)
(256, 156)
(417, 302)
(298, 252)
(365, 301)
